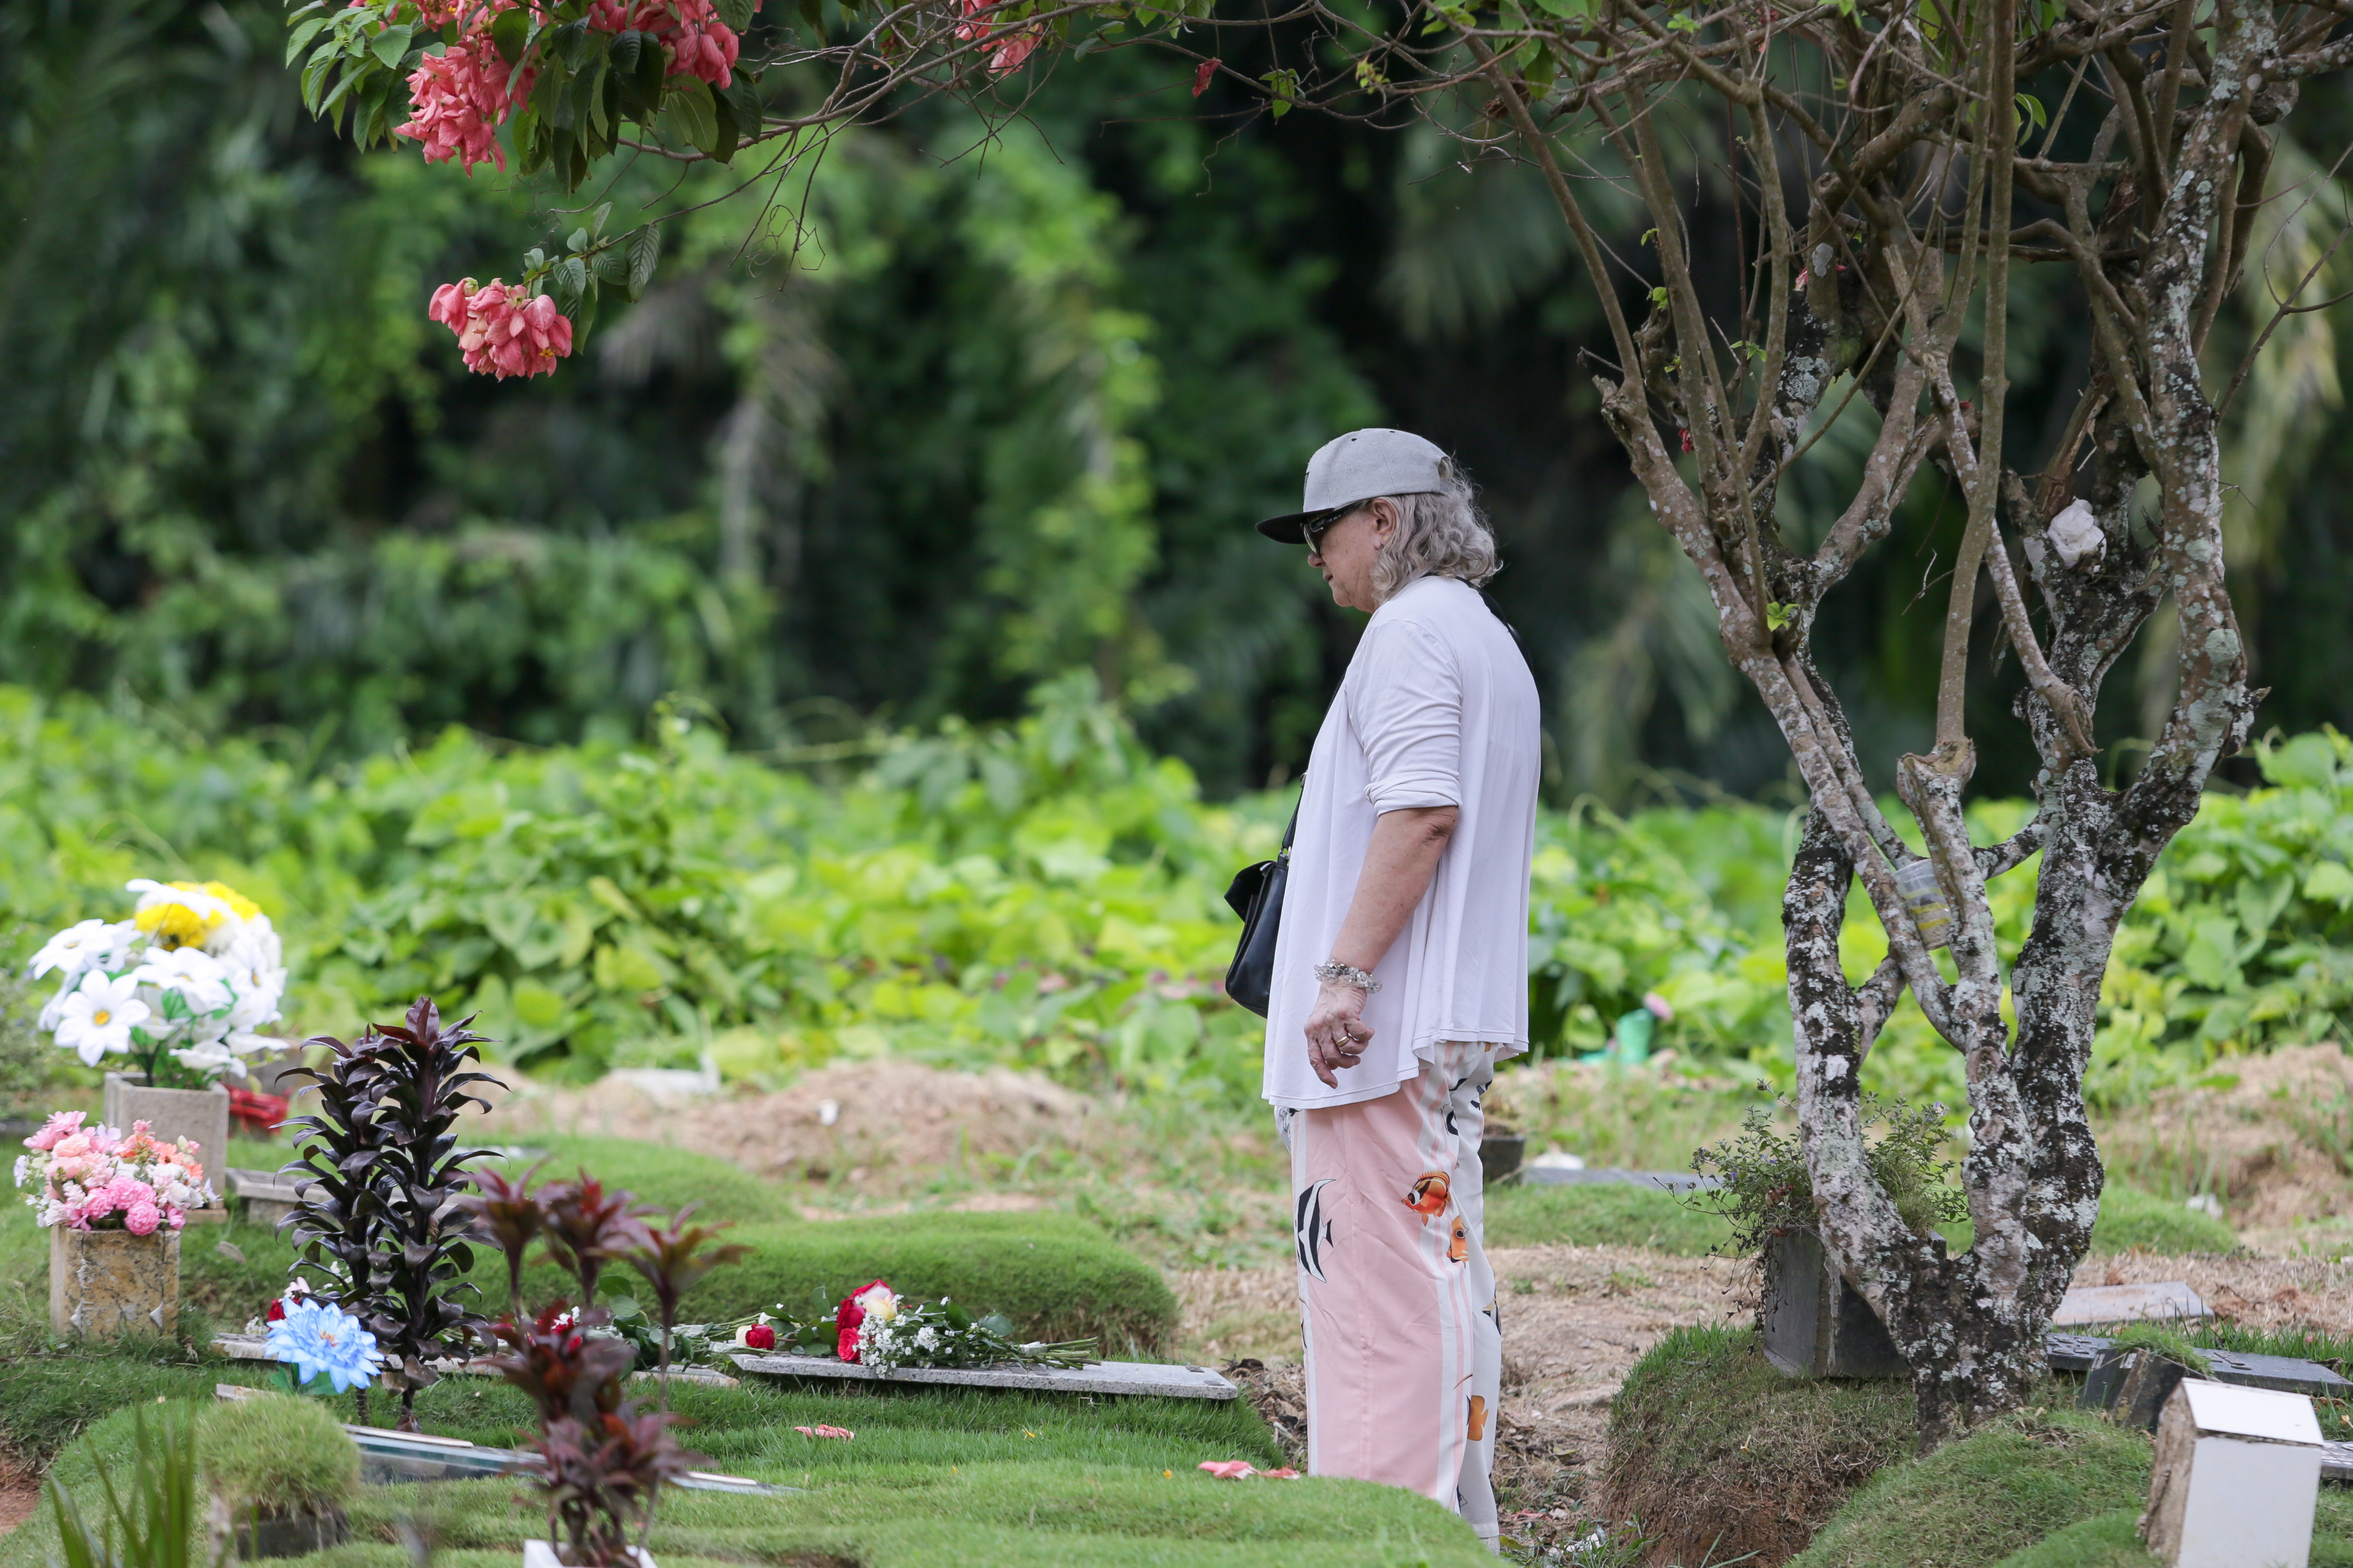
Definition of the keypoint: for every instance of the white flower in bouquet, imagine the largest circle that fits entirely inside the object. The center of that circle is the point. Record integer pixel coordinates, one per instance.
(191, 979)
(91, 944)
(98, 1016)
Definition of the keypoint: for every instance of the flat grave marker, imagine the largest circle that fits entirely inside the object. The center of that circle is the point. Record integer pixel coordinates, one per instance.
(1149, 1378)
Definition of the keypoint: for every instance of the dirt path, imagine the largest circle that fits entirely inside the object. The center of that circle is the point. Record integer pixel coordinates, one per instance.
(1577, 1318)
(20, 1494)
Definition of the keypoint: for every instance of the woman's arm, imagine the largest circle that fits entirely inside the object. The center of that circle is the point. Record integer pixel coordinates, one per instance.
(1399, 864)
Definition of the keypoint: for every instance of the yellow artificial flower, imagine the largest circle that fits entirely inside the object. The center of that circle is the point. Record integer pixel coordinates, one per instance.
(177, 923)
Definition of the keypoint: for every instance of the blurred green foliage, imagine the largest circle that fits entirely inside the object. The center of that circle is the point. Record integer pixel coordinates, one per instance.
(1044, 893)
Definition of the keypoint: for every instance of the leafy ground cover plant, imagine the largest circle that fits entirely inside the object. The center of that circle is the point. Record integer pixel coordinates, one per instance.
(1008, 895)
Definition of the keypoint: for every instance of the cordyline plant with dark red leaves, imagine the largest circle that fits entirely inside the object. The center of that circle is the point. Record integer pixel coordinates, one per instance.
(674, 1259)
(377, 1215)
(600, 1461)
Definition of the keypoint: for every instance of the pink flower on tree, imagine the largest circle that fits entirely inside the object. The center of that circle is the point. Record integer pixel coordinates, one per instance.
(1007, 48)
(458, 99)
(699, 44)
(503, 332)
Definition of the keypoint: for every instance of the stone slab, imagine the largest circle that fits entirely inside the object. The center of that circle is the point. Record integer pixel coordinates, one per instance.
(1666, 1181)
(1150, 1378)
(410, 1455)
(2167, 1302)
(2079, 1353)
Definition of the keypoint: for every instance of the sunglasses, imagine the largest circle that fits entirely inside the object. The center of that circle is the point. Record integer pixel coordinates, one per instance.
(1313, 532)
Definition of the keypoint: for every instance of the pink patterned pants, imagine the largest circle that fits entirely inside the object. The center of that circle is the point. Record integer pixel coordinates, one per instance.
(1404, 1347)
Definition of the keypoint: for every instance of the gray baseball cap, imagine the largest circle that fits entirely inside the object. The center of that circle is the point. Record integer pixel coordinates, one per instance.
(1356, 467)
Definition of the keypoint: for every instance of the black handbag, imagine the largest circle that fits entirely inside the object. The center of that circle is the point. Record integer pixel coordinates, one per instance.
(1256, 895)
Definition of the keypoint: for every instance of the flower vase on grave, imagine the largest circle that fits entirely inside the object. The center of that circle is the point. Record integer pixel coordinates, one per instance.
(108, 1282)
(198, 1115)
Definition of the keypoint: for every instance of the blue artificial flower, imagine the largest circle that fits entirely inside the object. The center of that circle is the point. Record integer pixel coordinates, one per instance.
(316, 1337)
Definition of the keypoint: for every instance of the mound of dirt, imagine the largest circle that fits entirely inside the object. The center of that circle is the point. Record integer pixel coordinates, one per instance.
(852, 1120)
(2276, 1147)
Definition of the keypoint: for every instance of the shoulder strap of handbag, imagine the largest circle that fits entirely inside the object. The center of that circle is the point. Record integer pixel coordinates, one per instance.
(1495, 610)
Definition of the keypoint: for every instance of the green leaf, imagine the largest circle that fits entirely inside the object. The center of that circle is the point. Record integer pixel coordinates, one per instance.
(1659, 297)
(301, 36)
(1777, 616)
(1282, 87)
(645, 249)
(687, 114)
(2330, 881)
(723, 145)
(391, 47)
(510, 34)
(737, 15)
(578, 242)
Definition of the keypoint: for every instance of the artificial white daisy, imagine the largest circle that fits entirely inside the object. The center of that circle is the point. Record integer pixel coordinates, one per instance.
(75, 949)
(98, 1016)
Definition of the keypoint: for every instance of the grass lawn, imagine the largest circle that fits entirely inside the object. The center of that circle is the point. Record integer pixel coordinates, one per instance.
(1056, 1276)
(1614, 1215)
(933, 1477)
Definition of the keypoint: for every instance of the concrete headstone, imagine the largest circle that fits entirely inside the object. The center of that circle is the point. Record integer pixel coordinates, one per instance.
(2237, 1474)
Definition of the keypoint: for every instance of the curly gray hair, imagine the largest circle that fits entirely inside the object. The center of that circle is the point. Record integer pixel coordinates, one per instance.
(1439, 533)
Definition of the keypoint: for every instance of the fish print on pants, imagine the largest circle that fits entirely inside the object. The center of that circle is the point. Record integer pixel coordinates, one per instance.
(1428, 1195)
(1458, 1248)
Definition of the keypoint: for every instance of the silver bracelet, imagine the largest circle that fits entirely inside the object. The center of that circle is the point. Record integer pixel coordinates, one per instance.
(1347, 974)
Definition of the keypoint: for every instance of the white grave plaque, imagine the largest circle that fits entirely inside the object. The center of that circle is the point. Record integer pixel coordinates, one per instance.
(2237, 1474)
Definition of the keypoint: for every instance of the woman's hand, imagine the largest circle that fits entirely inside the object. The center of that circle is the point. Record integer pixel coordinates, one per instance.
(1336, 1031)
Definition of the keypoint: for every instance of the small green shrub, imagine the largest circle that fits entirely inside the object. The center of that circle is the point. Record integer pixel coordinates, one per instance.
(2130, 1218)
(1767, 1189)
(277, 1454)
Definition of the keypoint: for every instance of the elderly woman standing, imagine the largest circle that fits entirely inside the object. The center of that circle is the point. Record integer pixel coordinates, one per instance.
(1400, 972)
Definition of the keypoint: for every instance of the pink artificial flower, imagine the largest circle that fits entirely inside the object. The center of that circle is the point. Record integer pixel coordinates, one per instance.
(821, 1431)
(59, 1126)
(1229, 1470)
(140, 1219)
(460, 98)
(501, 331)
